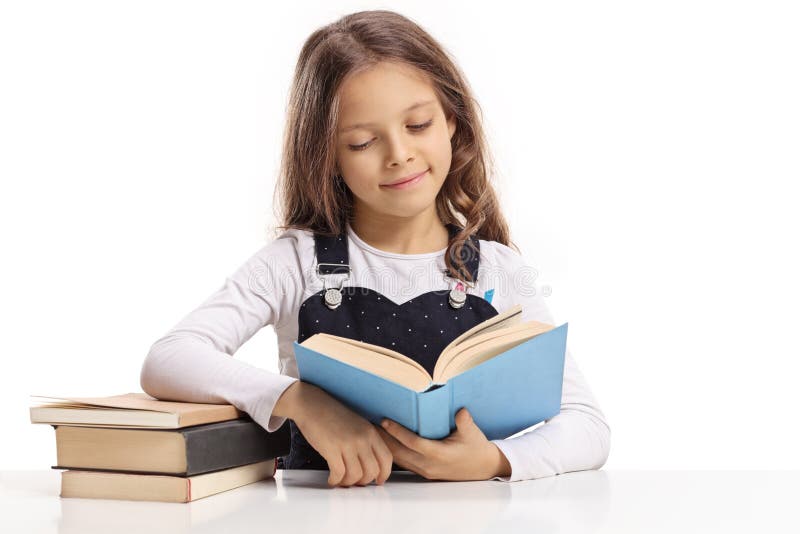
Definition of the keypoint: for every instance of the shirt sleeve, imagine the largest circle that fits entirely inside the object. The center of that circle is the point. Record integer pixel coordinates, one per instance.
(578, 437)
(193, 361)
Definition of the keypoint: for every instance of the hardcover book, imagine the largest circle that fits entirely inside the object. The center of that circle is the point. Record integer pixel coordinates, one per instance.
(181, 452)
(506, 372)
(140, 487)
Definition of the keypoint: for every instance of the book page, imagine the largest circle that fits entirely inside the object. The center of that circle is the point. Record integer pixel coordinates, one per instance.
(374, 359)
(481, 352)
(138, 401)
(379, 349)
(486, 343)
(510, 317)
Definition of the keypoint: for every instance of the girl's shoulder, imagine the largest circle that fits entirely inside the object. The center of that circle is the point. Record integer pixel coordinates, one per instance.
(500, 257)
(499, 264)
(285, 258)
(293, 243)
(513, 280)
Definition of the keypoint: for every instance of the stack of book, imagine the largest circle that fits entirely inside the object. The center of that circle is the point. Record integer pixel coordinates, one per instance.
(135, 447)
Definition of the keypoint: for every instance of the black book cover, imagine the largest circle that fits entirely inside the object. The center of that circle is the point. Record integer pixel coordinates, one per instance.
(223, 445)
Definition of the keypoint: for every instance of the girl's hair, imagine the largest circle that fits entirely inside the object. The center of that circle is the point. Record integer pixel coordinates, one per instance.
(314, 197)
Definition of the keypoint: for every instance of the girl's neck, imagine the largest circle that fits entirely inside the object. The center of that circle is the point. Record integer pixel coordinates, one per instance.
(420, 234)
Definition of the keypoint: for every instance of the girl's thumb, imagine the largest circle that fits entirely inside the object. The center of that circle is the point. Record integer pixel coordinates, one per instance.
(463, 418)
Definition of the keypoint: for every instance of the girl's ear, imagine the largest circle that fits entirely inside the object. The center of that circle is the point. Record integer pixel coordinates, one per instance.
(451, 125)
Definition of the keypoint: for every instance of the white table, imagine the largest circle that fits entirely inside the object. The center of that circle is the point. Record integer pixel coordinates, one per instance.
(301, 501)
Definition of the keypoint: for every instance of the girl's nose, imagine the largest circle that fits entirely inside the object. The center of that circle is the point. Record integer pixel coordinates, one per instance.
(399, 150)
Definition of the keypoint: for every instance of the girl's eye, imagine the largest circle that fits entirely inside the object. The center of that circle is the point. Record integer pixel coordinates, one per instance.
(358, 147)
(422, 126)
(415, 127)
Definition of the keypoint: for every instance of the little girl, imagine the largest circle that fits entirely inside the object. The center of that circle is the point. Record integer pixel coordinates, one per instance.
(392, 235)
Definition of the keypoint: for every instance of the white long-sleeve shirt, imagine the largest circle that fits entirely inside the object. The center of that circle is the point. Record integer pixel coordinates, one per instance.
(192, 362)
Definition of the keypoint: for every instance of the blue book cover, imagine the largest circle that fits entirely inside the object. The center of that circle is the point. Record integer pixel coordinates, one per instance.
(505, 394)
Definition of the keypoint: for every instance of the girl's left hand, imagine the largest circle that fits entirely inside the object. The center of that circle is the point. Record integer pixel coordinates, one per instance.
(465, 454)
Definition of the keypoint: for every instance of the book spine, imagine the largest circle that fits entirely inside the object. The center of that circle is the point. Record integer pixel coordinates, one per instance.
(231, 444)
(433, 412)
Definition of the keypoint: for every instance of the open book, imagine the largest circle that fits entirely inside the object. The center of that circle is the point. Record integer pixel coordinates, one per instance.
(131, 410)
(506, 372)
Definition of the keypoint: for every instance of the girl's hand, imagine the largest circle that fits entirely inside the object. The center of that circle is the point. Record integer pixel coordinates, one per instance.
(465, 454)
(350, 444)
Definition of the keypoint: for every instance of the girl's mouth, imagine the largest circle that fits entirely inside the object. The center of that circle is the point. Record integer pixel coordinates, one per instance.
(409, 183)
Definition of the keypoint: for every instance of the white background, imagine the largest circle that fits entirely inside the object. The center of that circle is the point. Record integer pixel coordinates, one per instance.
(648, 165)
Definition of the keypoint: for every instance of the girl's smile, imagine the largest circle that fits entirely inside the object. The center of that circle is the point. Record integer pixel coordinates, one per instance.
(408, 184)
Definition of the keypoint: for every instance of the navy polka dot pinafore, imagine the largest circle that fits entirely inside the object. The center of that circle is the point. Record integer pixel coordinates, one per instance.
(419, 328)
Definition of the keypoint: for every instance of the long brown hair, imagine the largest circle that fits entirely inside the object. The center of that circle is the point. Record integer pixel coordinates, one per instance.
(314, 197)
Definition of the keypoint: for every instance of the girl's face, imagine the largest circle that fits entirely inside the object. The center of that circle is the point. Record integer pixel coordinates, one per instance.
(391, 126)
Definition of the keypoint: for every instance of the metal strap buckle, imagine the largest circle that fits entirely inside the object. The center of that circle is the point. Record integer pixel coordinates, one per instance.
(333, 297)
(334, 265)
(448, 278)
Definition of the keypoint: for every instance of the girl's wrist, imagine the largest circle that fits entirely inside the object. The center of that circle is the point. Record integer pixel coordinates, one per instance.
(500, 464)
(290, 403)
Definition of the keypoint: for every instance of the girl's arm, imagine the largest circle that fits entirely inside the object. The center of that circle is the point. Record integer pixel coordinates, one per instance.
(192, 362)
(576, 439)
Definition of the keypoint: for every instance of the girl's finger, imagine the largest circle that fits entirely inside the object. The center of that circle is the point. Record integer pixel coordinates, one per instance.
(403, 456)
(384, 456)
(406, 437)
(369, 467)
(352, 466)
(336, 470)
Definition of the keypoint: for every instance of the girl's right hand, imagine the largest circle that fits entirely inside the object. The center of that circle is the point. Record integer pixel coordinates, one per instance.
(352, 446)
